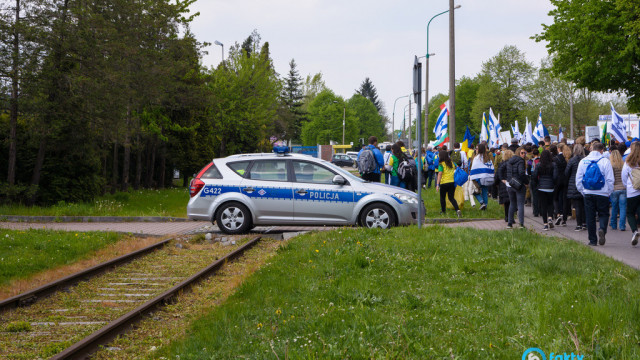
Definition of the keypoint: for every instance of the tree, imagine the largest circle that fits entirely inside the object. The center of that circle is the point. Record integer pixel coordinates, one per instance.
(313, 85)
(325, 120)
(367, 119)
(292, 96)
(503, 83)
(368, 90)
(596, 45)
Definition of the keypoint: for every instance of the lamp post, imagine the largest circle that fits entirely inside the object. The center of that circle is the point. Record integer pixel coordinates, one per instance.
(426, 82)
(393, 115)
(344, 117)
(222, 45)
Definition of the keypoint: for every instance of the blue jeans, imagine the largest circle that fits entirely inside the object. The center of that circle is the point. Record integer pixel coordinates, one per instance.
(618, 204)
(483, 197)
(395, 181)
(596, 204)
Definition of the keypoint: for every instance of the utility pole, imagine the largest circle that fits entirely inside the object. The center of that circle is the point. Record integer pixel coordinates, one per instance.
(409, 144)
(571, 111)
(417, 93)
(452, 76)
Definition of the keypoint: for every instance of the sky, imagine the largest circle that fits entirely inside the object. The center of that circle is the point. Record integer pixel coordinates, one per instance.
(350, 40)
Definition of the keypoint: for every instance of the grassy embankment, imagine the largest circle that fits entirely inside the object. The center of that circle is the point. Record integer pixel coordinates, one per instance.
(26, 252)
(425, 294)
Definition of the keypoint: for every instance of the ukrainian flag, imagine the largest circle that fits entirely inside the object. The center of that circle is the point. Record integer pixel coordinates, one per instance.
(468, 139)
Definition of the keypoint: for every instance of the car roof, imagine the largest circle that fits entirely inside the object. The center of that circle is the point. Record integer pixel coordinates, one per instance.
(264, 156)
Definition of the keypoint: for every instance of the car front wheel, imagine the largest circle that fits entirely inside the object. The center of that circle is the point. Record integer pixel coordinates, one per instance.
(378, 216)
(233, 218)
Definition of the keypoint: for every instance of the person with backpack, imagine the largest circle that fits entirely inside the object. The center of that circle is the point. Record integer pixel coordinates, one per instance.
(370, 160)
(631, 165)
(594, 179)
(533, 184)
(516, 183)
(501, 179)
(407, 169)
(431, 165)
(559, 190)
(394, 163)
(459, 157)
(482, 172)
(387, 156)
(572, 191)
(445, 183)
(619, 195)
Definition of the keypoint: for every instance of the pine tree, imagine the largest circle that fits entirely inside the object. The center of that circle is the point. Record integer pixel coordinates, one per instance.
(368, 90)
(292, 96)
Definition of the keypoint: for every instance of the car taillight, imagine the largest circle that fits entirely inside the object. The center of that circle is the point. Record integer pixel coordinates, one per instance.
(195, 187)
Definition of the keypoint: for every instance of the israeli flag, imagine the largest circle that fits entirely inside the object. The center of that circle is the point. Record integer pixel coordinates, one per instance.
(528, 134)
(560, 134)
(618, 126)
(443, 121)
(494, 130)
(516, 132)
(538, 132)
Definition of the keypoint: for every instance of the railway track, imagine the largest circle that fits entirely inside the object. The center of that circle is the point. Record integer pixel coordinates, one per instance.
(62, 322)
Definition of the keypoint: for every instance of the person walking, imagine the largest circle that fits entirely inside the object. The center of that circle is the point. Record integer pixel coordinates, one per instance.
(370, 154)
(482, 171)
(533, 184)
(596, 185)
(618, 197)
(633, 195)
(394, 162)
(431, 165)
(387, 157)
(572, 191)
(445, 184)
(558, 193)
(501, 179)
(516, 186)
(545, 174)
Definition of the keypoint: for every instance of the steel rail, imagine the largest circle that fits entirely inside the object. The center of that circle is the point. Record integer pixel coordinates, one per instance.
(30, 297)
(87, 346)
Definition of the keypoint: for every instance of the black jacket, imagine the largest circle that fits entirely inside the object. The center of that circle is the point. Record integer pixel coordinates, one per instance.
(501, 174)
(546, 179)
(561, 164)
(516, 168)
(570, 174)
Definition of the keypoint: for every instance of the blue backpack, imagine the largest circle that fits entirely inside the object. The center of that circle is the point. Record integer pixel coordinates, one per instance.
(460, 176)
(593, 178)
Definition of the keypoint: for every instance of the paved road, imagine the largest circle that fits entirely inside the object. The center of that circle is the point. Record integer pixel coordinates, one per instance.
(618, 245)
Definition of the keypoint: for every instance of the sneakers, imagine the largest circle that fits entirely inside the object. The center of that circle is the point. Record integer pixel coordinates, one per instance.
(459, 214)
(634, 238)
(483, 207)
(564, 224)
(521, 227)
(546, 227)
(509, 226)
(601, 237)
(550, 223)
(578, 228)
(558, 220)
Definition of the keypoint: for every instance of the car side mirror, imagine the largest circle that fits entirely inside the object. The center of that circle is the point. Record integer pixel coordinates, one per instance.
(339, 180)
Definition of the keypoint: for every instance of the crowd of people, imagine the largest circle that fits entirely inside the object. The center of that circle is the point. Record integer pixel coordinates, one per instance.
(601, 184)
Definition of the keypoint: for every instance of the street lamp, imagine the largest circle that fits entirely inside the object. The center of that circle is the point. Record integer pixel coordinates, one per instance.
(393, 115)
(426, 81)
(344, 116)
(222, 45)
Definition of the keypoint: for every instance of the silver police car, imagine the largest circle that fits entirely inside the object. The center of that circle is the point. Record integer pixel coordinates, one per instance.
(242, 191)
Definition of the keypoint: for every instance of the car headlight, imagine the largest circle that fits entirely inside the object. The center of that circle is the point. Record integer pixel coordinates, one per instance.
(406, 198)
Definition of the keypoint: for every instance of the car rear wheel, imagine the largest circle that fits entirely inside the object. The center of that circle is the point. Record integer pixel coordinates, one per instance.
(377, 215)
(233, 218)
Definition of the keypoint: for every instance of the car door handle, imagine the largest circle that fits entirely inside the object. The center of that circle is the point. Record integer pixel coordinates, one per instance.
(249, 190)
(302, 191)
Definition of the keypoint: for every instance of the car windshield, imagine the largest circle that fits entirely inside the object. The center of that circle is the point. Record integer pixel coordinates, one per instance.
(347, 175)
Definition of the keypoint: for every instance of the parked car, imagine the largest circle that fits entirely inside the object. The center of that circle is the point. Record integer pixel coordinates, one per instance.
(342, 160)
(242, 191)
(353, 155)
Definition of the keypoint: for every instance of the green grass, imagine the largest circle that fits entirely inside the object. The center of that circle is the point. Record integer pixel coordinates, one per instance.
(431, 200)
(24, 253)
(435, 293)
(168, 202)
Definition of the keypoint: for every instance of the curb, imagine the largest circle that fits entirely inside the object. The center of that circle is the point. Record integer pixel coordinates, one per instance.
(451, 221)
(89, 219)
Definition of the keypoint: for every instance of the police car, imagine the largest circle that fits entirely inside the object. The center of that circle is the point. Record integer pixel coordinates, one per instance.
(242, 191)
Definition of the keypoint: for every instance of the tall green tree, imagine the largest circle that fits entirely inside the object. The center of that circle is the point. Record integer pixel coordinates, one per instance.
(503, 83)
(293, 96)
(326, 113)
(367, 119)
(596, 45)
(368, 90)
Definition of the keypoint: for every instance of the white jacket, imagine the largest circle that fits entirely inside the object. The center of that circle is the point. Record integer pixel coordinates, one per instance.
(605, 168)
(626, 179)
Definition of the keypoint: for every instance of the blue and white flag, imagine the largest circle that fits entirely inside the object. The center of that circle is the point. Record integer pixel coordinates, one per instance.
(516, 132)
(528, 135)
(618, 126)
(560, 134)
(442, 123)
(539, 131)
(494, 130)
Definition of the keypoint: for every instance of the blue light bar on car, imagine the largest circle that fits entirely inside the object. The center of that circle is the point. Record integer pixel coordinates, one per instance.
(281, 150)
